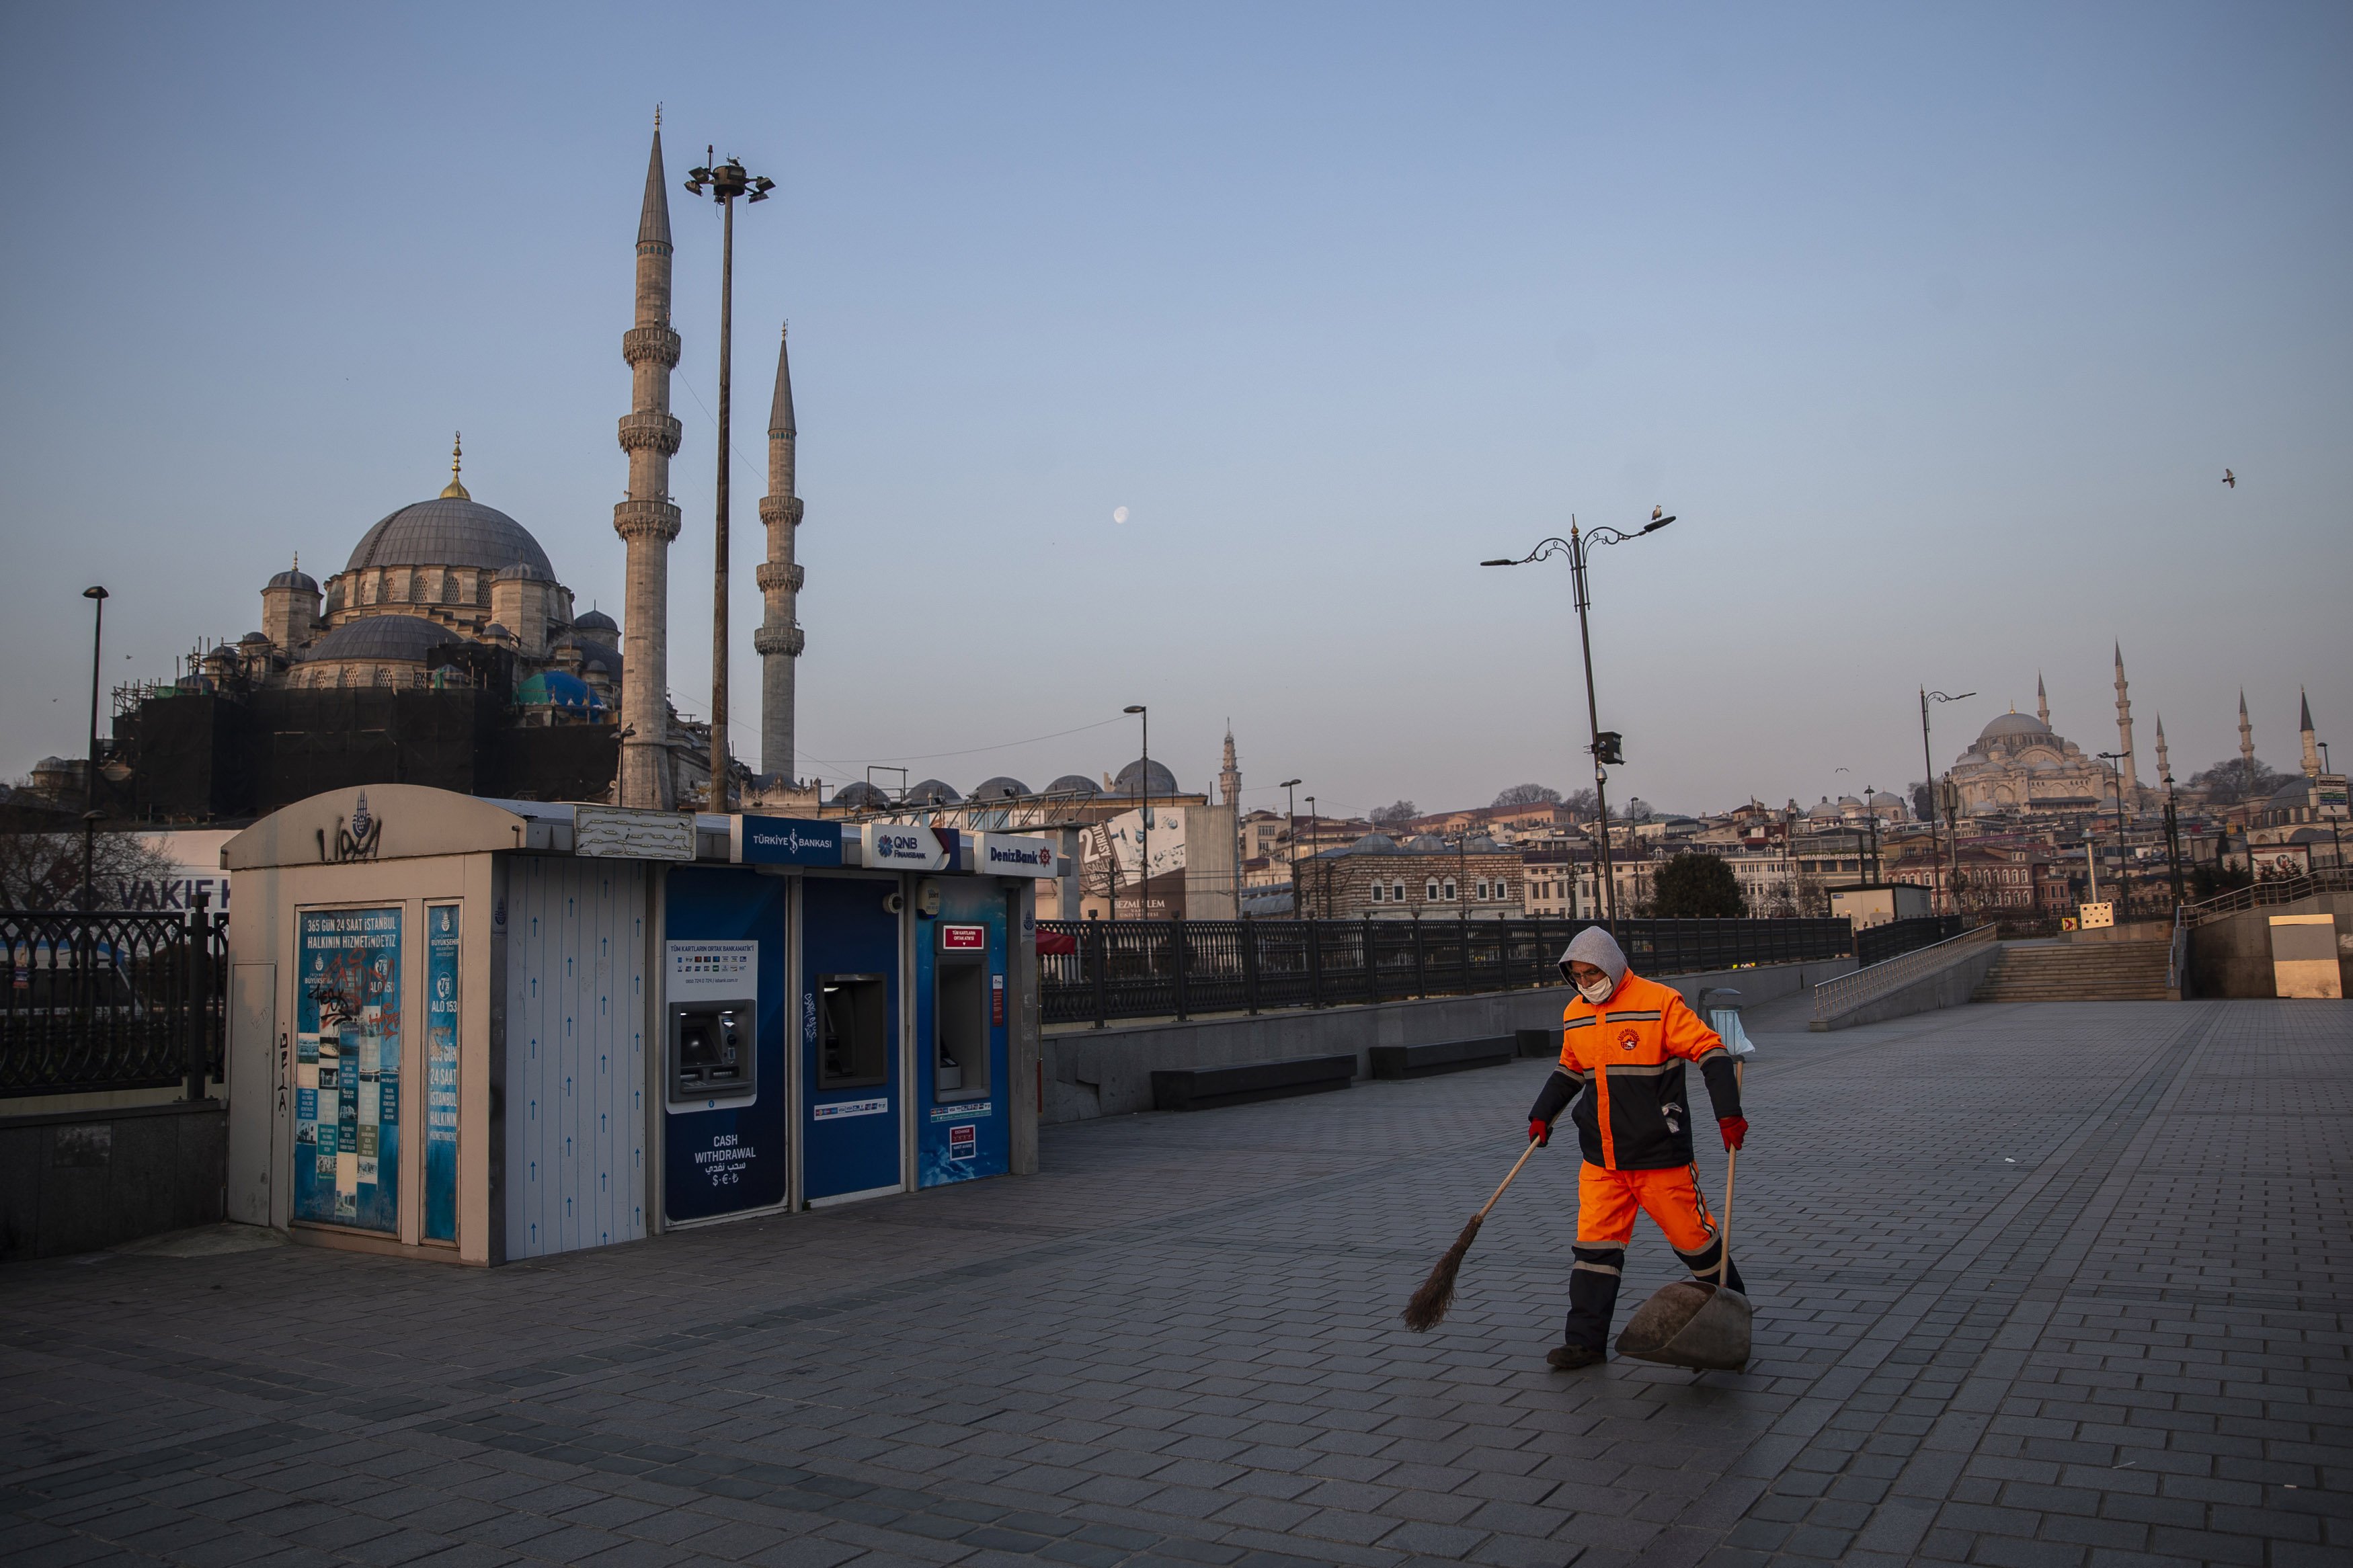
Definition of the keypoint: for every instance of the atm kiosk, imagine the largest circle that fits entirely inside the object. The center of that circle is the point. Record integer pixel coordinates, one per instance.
(475, 1030)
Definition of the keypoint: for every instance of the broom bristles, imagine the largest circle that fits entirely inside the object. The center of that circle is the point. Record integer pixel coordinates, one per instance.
(1437, 1293)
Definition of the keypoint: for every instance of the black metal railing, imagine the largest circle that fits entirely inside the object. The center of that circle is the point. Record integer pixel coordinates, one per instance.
(1877, 944)
(112, 1000)
(1095, 971)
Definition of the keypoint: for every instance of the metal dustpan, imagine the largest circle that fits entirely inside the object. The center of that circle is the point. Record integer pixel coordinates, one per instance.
(1700, 1323)
(1696, 1323)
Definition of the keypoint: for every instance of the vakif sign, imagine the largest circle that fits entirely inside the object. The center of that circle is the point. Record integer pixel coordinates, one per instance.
(783, 841)
(1003, 855)
(901, 846)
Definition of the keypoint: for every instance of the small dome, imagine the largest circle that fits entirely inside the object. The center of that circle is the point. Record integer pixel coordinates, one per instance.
(253, 639)
(1074, 783)
(449, 531)
(861, 795)
(299, 580)
(555, 689)
(597, 624)
(933, 792)
(2014, 727)
(999, 788)
(1158, 781)
(598, 664)
(495, 631)
(523, 571)
(1427, 844)
(407, 638)
(1482, 845)
(1374, 844)
(1884, 798)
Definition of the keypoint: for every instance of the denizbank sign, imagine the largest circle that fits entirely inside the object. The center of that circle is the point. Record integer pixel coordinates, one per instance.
(784, 841)
(1002, 855)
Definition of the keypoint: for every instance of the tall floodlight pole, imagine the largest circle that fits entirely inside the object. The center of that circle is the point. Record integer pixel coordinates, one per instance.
(1929, 761)
(1291, 837)
(97, 597)
(726, 181)
(2124, 866)
(1143, 813)
(1605, 745)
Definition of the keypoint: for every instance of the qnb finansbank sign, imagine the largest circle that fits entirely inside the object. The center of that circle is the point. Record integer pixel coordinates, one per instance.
(1002, 855)
(901, 846)
(784, 841)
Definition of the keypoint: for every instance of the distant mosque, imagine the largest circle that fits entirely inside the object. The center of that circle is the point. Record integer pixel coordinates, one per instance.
(2020, 764)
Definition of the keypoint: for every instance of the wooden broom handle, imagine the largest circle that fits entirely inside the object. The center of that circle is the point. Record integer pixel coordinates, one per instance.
(1731, 1165)
(1531, 1148)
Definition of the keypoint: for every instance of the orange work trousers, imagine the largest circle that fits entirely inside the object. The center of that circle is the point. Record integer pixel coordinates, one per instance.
(1606, 1203)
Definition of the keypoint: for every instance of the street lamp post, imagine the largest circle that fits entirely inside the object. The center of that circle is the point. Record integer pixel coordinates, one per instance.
(1291, 839)
(2124, 851)
(1313, 823)
(2172, 837)
(97, 597)
(726, 181)
(1605, 748)
(1143, 813)
(1929, 761)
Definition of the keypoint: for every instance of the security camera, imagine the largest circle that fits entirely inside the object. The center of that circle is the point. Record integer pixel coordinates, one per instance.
(893, 903)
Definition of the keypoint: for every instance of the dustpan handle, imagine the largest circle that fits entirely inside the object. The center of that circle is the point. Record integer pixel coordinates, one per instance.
(1731, 1165)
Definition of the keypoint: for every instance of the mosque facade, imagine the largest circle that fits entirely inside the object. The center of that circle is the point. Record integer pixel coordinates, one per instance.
(449, 624)
(2019, 766)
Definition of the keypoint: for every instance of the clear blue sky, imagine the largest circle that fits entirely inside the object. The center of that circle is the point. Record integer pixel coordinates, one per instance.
(1936, 328)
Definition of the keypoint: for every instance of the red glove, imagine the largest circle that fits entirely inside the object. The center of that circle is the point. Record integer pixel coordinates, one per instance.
(1539, 1132)
(1735, 1129)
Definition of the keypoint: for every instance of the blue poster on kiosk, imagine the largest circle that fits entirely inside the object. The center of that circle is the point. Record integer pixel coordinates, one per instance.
(849, 1035)
(441, 954)
(961, 1126)
(347, 1070)
(725, 1149)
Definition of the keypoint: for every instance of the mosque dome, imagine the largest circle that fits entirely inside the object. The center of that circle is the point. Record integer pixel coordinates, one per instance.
(1427, 844)
(450, 531)
(1073, 783)
(522, 572)
(254, 639)
(2012, 727)
(408, 637)
(861, 795)
(296, 579)
(1158, 781)
(1482, 845)
(556, 689)
(999, 788)
(1374, 844)
(933, 792)
(598, 625)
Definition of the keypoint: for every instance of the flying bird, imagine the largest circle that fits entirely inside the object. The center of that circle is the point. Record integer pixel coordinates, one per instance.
(2229, 478)
(1657, 512)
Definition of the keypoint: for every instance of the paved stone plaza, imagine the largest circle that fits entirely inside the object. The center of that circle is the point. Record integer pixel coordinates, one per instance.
(2037, 1284)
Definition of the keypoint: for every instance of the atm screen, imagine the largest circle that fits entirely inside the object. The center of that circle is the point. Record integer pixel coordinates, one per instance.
(853, 1047)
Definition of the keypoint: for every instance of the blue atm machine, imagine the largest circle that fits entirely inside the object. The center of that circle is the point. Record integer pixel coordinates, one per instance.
(725, 1095)
(961, 1028)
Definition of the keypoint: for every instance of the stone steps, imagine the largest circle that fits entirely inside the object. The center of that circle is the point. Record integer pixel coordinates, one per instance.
(2077, 971)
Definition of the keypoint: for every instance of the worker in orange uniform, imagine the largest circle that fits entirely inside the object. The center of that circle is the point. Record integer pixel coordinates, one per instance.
(1624, 1041)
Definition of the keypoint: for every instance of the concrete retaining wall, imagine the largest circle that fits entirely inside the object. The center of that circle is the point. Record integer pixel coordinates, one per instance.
(1108, 1072)
(1949, 986)
(76, 1181)
(2232, 956)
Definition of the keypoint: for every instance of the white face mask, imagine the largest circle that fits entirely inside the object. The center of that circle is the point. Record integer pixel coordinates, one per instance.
(1599, 991)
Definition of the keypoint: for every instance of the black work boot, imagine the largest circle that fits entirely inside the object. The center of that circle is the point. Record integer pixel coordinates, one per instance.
(1570, 1358)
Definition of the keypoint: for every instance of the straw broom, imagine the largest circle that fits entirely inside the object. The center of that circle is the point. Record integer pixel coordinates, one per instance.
(1437, 1293)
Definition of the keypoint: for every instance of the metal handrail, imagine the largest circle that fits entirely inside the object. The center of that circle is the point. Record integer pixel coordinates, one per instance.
(2262, 895)
(1833, 996)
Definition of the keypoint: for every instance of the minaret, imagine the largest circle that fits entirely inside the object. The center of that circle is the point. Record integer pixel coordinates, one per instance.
(2164, 768)
(647, 519)
(2246, 736)
(779, 640)
(1230, 777)
(2128, 774)
(2311, 741)
(2042, 701)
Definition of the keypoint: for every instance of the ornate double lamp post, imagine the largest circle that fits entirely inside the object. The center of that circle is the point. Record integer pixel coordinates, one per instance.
(1607, 745)
(1929, 761)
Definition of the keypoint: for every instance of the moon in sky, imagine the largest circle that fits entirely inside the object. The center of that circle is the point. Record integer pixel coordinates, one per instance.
(1119, 514)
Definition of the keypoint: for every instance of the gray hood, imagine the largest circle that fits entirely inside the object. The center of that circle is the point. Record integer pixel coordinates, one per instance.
(1596, 946)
